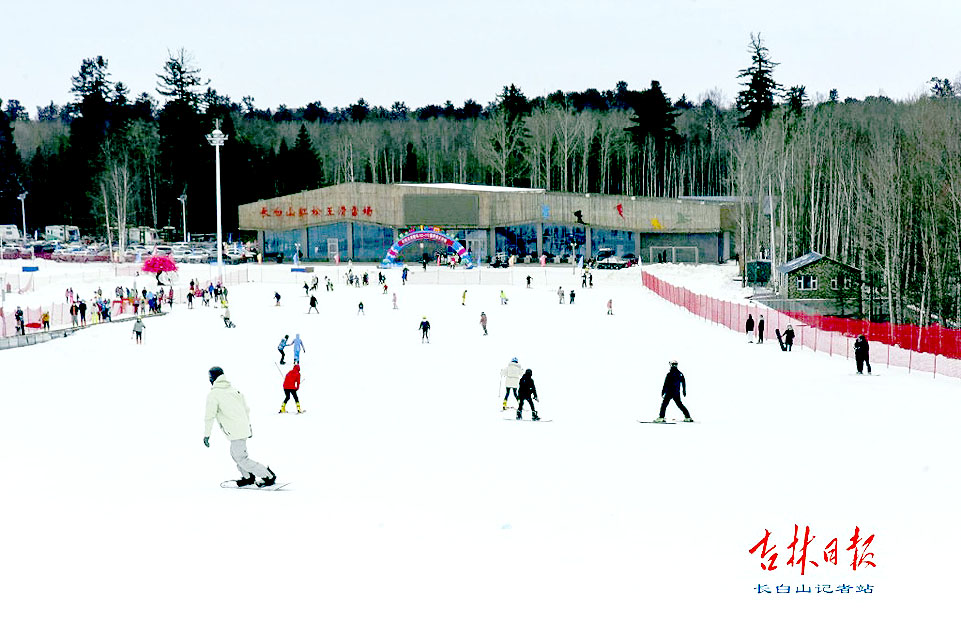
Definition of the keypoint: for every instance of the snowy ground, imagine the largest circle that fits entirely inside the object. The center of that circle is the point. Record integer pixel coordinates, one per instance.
(415, 511)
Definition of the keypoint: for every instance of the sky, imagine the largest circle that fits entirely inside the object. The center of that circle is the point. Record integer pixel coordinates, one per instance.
(430, 51)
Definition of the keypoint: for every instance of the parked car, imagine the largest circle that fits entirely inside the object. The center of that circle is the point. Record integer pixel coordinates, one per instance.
(631, 259)
(611, 263)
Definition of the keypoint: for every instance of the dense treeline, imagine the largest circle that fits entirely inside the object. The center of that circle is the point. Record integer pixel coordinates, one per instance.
(873, 183)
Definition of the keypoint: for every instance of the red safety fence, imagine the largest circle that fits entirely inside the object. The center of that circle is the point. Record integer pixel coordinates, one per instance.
(929, 349)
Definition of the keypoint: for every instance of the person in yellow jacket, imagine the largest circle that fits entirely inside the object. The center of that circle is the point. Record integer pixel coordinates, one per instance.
(230, 409)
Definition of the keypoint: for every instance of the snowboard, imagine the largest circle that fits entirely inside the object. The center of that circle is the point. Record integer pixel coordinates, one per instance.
(539, 421)
(233, 484)
(780, 341)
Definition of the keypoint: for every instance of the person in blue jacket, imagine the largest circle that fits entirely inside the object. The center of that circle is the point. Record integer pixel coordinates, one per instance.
(280, 348)
(298, 346)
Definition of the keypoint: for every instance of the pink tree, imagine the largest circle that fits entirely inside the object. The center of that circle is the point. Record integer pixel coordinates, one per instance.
(159, 265)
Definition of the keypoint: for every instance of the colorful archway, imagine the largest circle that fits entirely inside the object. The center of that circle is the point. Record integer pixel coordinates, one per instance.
(423, 233)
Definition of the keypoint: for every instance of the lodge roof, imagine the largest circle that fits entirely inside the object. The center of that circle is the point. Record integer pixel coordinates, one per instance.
(807, 259)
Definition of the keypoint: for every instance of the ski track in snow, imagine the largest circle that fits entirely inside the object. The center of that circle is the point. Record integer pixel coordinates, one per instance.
(416, 512)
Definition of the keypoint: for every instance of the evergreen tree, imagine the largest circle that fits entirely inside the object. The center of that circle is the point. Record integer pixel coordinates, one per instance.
(10, 186)
(304, 163)
(180, 79)
(796, 99)
(756, 100)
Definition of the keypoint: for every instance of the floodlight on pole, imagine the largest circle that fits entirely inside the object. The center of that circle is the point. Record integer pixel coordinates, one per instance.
(217, 138)
(183, 208)
(23, 210)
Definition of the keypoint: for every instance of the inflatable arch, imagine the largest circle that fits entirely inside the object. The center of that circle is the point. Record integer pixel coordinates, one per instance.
(427, 234)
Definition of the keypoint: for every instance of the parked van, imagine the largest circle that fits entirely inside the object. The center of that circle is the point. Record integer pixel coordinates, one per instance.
(65, 233)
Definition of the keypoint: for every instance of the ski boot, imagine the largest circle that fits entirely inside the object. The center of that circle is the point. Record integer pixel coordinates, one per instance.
(283, 408)
(246, 481)
(299, 411)
(505, 404)
(534, 416)
(659, 420)
(266, 481)
(688, 420)
(518, 415)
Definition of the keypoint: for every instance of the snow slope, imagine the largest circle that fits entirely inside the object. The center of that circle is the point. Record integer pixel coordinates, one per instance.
(416, 512)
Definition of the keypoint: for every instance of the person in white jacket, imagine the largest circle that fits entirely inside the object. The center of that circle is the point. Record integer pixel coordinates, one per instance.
(230, 409)
(511, 375)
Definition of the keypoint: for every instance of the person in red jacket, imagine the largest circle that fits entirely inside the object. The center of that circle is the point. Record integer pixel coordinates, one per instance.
(291, 386)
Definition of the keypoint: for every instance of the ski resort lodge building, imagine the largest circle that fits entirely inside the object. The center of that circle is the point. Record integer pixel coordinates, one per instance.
(361, 221)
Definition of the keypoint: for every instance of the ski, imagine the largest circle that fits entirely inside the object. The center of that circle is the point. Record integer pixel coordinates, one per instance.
(233, 484)
(539, 421)
(666, 423)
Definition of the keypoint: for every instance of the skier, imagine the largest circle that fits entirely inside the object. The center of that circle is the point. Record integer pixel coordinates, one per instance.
(789, 338)
(170, 297)
(526, 391)
(306, 288)
(385, 288)
(760, 330)
(280, 348)
(572, 296)
(483, 322)
(138, 327)
(83, 313)
(313, 305)
(298, 346)
(503, 298)
(560, 295)
(528, 281)
(674, 385)
(749, 328)
(45, 320)
(227, 322)
(230, 409)
(861, 353)
(403, 276)
(395, 300)
(590, 279)
(190, 299)
(424, 330)
(610, 307)
(463, 298)
(360, 308)
(511, 374)
(18, 320)
(74, 311)
(584, 279)
(291, 386)
(277, 298)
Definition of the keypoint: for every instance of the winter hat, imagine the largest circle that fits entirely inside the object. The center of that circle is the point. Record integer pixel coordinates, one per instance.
(528, 372)
(215, 372)
(514, 360)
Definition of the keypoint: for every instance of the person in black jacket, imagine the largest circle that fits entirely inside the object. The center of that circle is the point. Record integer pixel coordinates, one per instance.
(527, 390)
(674, 385)
(861, 350)
(789, 338)
(760, 330)
(424, 330)
(749, 328)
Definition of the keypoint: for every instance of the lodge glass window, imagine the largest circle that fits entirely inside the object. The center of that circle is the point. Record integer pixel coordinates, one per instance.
(807, 282)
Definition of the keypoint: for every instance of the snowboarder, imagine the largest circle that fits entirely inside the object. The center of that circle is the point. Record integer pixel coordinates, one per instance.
(313, 305)
(277, 298)
(291, 386)
(528, 281)
(227, 405)
(760, 330)
(298, 346)
(789, 338)
(483, 322)
(861, 354)
(749, 328)
(138, 327)
(674, 385)
(280, 347)
(560, 295)
(527, 391)
(424, 330)
(511, 374)
(610, 307)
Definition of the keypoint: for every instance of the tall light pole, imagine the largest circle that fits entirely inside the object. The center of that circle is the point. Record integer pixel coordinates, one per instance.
(23, 210)
(183, 203)
(217, 138)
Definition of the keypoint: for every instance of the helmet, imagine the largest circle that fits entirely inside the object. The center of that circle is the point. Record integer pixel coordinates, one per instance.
(673, 363)
(215, 372)
(514, 360)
